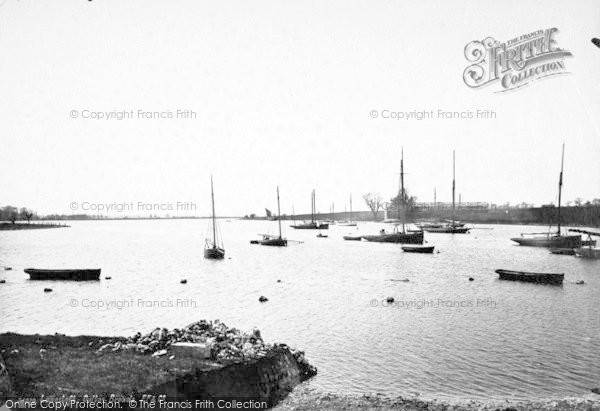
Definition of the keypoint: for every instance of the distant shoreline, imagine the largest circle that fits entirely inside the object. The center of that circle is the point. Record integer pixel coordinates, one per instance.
(29, 226)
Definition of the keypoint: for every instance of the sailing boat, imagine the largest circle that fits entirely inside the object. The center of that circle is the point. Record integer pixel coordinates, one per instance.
(587, 251)
(271, 240)
(211, 248)
(348, 223)
(452, 227)
(552, 239)
(398, 236)
(313, 224)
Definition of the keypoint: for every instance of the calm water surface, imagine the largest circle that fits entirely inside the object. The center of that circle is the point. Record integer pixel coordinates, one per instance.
(444, 336)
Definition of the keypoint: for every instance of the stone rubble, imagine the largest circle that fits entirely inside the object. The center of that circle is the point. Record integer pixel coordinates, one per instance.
(226, 344)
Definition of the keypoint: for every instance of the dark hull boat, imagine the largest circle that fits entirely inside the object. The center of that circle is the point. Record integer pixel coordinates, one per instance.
(274, 242)
(215, 253)
(352, 237)
(405, 238)
(540, 278)
(423, 250)
(551, 241)
(311, 226)
(271, 240)
(71, 275)
(562, 251)
(449, 229)
(212, 249)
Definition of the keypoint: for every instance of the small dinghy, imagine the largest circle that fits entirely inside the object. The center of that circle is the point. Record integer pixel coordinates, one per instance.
(540, 278)
(423, 250)
(71, 275)
(562, 251)
(322, 235)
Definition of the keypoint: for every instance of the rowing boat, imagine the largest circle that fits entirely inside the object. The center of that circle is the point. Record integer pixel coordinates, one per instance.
(68, 274)
(425, 250)
(540, 278)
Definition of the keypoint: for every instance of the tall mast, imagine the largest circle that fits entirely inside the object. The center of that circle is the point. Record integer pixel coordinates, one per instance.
(402, 197)
(278, 212)
(560, 181)
(351, 207)
(434, 197)
(212, 195)
(312, 206)
(453, 183)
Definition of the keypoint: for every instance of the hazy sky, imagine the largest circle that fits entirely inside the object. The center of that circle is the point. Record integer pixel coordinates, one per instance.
(283, 93)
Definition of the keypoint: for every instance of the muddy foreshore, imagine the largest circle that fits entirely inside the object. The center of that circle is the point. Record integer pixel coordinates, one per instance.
(305, 398)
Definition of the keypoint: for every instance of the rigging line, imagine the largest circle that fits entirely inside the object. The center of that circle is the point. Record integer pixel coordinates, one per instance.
(587, 112)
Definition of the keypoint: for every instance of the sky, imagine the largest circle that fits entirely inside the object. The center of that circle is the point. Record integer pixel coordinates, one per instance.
(283, 94)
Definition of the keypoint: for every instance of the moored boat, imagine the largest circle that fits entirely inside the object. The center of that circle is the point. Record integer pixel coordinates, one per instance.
(540, 278)
(450, 226)
(588, 251)
(271, 240)
(313, 224)
(212, 249)
(352, 237)
(87, 274)
(551, 239)
(562, 251)
(424, 249)
(447, 229)
(395, 237)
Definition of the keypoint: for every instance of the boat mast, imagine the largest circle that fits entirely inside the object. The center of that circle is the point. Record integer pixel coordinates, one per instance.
(312, 207)
(402, 190)
(350, 207)
(278, 213)
(560, 180)
(453, 182)
(212, 196)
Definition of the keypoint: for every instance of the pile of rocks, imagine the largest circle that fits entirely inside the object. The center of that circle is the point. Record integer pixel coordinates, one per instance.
(226, 344)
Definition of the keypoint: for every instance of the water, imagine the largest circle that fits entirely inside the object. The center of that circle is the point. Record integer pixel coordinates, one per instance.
(481, 339)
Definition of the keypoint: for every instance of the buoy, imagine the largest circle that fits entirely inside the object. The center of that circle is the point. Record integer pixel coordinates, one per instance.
(278, 281)
(184, 281)
(47, 290)
(107, 278)
(2, 281)
(390, 299)
(263, 299)
(471, 279)
(580, 282)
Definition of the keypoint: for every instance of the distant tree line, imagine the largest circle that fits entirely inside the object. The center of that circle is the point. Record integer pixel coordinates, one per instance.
(13, 214)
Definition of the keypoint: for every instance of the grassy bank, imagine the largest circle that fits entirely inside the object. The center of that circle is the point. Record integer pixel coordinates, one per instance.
(146, 366)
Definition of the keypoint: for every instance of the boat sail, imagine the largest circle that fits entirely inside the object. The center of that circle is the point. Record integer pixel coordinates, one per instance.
(397, 235)
(212, 248)
(348, 223)
(552, 239)
(452, 227)
(271, 240)
(313, 224)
